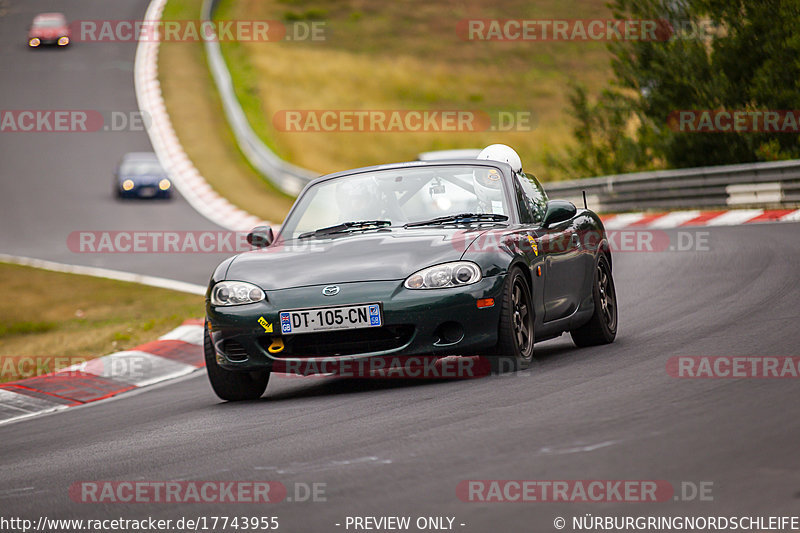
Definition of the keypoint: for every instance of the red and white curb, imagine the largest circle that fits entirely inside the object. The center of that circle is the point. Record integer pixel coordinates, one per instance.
(175, 354)
(187, 179)
(678, 219)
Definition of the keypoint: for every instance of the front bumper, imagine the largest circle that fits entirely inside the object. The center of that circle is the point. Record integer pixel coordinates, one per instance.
(415, 322)
(145, 191)
(36, 41)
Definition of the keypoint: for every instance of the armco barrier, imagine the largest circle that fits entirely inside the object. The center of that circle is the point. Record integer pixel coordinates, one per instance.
(772, 184)
(287, 177)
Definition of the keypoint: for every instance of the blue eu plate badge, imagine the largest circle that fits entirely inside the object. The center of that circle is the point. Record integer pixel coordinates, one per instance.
(286, 323)
(374, 315)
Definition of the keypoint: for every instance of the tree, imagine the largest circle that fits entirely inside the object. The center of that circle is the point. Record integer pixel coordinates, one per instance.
(716, 55)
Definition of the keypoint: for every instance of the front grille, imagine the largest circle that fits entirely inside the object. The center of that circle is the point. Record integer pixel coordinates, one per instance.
(234, 351)
(349, 342)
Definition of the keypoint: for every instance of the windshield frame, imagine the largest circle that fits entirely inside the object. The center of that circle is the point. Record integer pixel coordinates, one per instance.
(133, 167)
(504, 169)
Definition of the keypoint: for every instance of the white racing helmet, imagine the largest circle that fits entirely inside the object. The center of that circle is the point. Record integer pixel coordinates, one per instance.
(488, 182)
(504, 154)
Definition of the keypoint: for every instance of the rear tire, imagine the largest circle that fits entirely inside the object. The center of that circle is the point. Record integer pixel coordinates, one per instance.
(232, 386)
(602, 327)
(514, 350)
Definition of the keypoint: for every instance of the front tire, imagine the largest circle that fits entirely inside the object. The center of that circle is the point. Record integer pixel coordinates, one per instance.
(602, 327)
(232, 386)
(514, 350)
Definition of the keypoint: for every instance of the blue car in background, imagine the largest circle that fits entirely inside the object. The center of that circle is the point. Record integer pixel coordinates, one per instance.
(140, 175)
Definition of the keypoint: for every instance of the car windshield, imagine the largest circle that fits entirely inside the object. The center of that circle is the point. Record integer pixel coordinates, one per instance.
(142, 167)
(50, 22)
(402, 196)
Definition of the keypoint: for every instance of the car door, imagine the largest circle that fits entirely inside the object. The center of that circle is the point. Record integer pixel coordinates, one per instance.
(563, 270)
(530, 207)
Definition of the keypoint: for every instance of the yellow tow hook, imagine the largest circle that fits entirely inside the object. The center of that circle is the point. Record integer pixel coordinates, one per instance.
(276, 346)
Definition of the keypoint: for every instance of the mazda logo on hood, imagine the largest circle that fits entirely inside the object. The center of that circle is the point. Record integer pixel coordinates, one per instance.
(331, 290)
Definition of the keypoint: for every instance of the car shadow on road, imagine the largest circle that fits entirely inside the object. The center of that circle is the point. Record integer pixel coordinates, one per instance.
(447, 370)
(332, 386)
(547, 356)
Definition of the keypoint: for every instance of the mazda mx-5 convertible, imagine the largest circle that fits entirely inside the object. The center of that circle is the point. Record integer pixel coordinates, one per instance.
(457, 257)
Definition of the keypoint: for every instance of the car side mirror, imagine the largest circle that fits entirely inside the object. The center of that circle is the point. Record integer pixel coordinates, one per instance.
(558, 211)
(260, 236)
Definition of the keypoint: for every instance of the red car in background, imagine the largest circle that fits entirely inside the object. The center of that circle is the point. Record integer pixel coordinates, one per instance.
(49, 28)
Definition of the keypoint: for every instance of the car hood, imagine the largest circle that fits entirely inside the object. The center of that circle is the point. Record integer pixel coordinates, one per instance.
(49, 33)
(390, 254)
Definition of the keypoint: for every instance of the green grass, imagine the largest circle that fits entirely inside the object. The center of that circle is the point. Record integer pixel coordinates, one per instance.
(65, 315)
(408, 55)
(377, 55)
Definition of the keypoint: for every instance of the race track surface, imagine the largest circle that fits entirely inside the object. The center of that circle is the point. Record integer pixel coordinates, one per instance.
(398, 447)
(56, 183)
(401, 447)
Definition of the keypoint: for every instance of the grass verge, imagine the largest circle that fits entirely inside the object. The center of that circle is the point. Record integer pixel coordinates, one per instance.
(199, 121)
(409, 55)
(51, 314)
(376, 55)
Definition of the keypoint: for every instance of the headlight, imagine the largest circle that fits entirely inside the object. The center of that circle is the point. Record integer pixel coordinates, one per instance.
(454, 274)
(235, 293)
(34, 42)
(63, 41)
(164, 184)
(127, 185)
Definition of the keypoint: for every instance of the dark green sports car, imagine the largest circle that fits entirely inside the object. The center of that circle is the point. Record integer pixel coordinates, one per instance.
(458, 257)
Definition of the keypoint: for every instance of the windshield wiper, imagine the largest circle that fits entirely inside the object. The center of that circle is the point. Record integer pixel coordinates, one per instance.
(462, 218)
(346, 227)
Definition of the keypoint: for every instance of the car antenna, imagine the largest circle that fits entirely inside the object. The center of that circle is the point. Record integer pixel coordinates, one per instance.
(584, 200)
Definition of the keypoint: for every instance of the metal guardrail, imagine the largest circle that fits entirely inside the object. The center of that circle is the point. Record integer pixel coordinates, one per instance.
(775, 183)
(287, 177)
(746, 185)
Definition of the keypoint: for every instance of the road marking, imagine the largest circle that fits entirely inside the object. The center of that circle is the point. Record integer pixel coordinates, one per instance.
(578, 449)
(98, 272)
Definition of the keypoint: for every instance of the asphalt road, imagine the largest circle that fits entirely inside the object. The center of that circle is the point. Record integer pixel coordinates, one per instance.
(389, 448)
(56, 183)
(398, 447)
